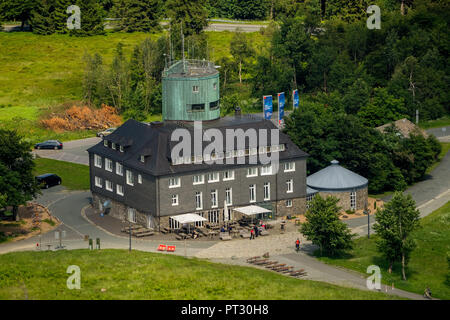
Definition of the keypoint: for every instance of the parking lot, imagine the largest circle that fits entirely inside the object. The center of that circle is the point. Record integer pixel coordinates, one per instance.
(73, 151)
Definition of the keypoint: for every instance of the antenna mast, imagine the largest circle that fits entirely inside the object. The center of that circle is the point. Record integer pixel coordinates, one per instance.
(182, 47)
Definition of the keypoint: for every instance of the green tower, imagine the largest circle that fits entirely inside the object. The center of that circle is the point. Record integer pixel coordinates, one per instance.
(190, 91)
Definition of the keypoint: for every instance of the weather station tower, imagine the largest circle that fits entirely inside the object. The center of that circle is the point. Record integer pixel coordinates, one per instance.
(190, 91)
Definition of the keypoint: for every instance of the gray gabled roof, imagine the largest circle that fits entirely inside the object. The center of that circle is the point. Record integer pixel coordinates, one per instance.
(335, 178)
(154, 142)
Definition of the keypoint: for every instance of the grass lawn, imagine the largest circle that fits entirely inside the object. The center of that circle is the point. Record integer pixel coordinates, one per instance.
(142, 275)
(428, 265)
(74, 176)
(38, 74)
(442, 122)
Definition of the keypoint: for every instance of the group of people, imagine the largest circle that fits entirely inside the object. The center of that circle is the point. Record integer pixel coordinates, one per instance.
(256, 230)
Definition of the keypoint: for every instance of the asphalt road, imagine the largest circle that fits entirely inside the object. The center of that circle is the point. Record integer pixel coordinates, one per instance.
(73, 151)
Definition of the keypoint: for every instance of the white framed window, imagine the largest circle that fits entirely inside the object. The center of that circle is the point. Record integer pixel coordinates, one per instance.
(252, 189)
(200, 223)
(113, 146)
(121, 148)
(229, 196)
(174, 182)
(281, 147)
(98, 182)
(130, 178)
(105, 143)
(213, 216)
(215, 85)
(289, 203)
(289, 166)
(198, 200)
(108, 185)
(266, 190)
(139, 178)
(198, 179)
(309, 198)
(173, 224)
(119, 169)
(119, 190)
(353, 200)
(228, 175)
(108, 165)
(195, 89)
(266, 170)
(97, 161)
(213, 177)
(142, 159)
(214, 200)
(174, 200)
(289, 186)
(252, 172)
(132, 215)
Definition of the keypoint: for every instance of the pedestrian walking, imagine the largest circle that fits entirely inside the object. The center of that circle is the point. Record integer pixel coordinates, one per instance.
(256, 230)
(297, 244)
(252, 234)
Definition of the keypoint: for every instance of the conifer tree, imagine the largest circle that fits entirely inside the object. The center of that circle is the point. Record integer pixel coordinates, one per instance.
(138, 15)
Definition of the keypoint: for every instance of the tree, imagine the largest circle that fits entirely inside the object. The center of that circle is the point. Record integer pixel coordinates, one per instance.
(382, 109)
(324, 228)
(17, 181)
(138, 15)
(191, 14)
(93, 83)
(394, 225)
(18, 10)
(240, 49)
(118, 78)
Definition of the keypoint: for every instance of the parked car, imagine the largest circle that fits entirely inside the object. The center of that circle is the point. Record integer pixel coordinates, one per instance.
(106, 132)
(49, 144)
(48, 180)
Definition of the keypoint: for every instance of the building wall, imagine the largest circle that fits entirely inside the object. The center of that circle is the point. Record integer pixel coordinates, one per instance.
(119, 210)
(344, 198)
(240, 188)
(139, 196)
(178, 93)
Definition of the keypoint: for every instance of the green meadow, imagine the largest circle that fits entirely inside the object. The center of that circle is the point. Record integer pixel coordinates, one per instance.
(119, 274)
(44, 74)
(428, 264)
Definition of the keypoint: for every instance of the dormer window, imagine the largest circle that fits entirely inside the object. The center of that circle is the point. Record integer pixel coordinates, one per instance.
(195, 89)
(105, 143)
(113, 146)
(121, 148)
(142, 159)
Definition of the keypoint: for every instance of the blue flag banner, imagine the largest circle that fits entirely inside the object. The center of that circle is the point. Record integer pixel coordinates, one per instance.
(281, 102)
(295, 99)
(268, 108)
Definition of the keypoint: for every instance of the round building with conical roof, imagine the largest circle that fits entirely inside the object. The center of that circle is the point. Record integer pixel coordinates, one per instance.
(349, 187)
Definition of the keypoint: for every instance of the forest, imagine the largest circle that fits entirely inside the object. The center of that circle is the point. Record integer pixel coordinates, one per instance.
(351, 78)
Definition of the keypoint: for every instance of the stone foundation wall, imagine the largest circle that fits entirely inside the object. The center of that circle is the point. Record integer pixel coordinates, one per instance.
(344, 198)
(118, 210)
(298, 207)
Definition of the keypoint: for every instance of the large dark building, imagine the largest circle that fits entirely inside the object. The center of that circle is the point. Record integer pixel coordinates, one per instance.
(135, 170)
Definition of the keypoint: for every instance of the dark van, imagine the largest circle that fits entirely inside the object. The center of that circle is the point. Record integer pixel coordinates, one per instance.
(47, 180)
